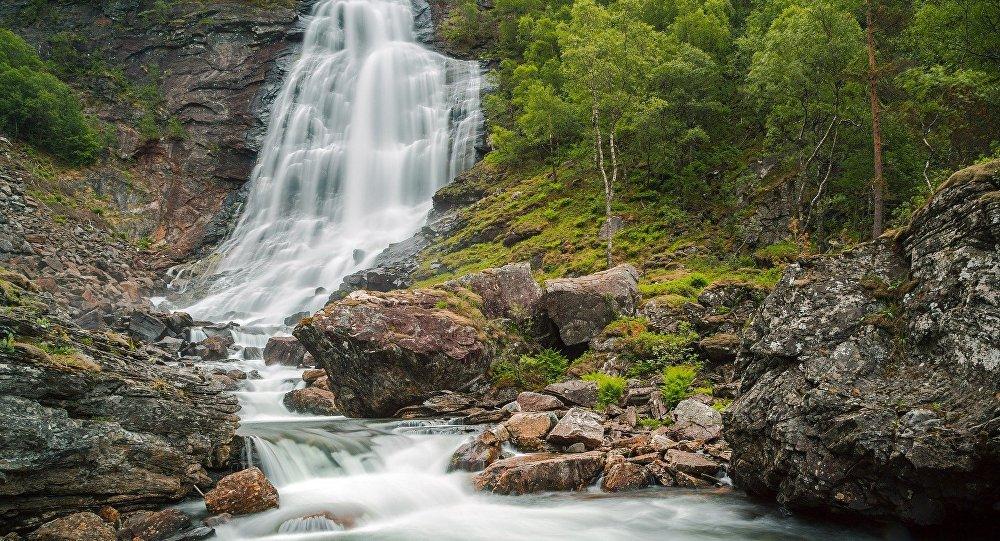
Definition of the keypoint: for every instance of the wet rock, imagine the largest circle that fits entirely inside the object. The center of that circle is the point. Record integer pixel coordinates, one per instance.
(529, 401)
(869, 378)
(84, 526)
(153, 526)
(146, 326)
(528, 429)
(476, 454)
(441, 404)
(311, 400)
(242, 493)
(579, 425)
(575, 392)
(621, 475)
(693, 464)
(541, 472)
(506, 292)
(213, 348)
(582, 307)
(284, 350)
(385, 351)
(313, 374)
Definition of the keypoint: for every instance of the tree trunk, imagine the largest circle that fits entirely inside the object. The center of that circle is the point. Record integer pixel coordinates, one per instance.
(609, 193)
(878, 183)
(599, 158)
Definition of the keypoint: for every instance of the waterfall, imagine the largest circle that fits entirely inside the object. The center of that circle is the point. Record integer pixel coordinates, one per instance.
(368, 125)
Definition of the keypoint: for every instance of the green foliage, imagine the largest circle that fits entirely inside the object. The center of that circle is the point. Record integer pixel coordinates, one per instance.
(530, 371)
(7, 342)
(651, 352)
(653, 424)
(677, 383)
(56, 348)
(609, 388)
(38, 108)
(777, 253)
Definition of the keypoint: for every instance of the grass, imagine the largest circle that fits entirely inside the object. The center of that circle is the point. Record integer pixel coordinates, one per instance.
(650, 352)
(677, 383)
(609, 388)
(530, 371)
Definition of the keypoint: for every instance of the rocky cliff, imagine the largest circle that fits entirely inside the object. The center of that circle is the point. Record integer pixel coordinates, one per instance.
(871, 379)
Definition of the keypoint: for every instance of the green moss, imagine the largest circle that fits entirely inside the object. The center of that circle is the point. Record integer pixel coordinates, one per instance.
(785, 251)
(609, 388)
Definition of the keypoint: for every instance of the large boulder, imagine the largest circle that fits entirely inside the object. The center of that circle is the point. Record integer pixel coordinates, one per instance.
(579, 425)
(384, 351)
(528, 429)
(575, 392)
(100, 421)
(242, 493)
(582, 307)
(870, 378)
(694, 420)
(153, 525)
(312, 400)
(284, 350)
(541, 472)
(509, 291)
(85, 526)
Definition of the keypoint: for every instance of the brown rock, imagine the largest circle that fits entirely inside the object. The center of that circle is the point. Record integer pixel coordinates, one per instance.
(575, 391)
(242, 493)
(477, 454)
(153, 526)
(540, 472)
(109, 514)
(313, 374)
(312, 400)
(529, 401)
(691, 463)
(721, 347)
(214, 348)
(84, 526)
(579, 425)
(509, 291)
(284, 350)
(620, 476)
(582, 307)
(528, 429)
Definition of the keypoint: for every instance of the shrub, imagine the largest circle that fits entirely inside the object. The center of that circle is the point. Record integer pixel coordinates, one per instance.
(38, 108)
(530, 371)
(651, 352)
(609, 388)
(677, 383)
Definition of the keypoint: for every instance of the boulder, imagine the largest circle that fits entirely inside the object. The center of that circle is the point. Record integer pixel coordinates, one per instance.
(476, 454)
(575, 392)
(312, 400)
(385, 351)
(720, 347)
(870, 377)
(621, 475)
(242, 493)
(506, 292)
(84, 526)
(310, 376)
(153, 525)
(693, 464)
(582, 307)
(213, 348)
(541, 472)
(529, 401)
(528, 429)
(694, 420)
(146, 326)
(284, 350)
(579, 425)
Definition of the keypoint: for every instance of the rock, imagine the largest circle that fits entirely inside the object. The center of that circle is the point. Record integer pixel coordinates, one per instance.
(284, 350)
(295, 318)
(529, 401)
(109, 514)
(526, 474)
(720, 347)
(582, 307)
(579, 425)
(313, 374)
(242, 493)
(153, 526)
(217, 520)
(311, 400)
(385, 351)
(692, 464)
(103, 423)
(146, 326)
(476, 454)
(178, 323)
(84, 526)
(870, 378)
(621, 476)
(506, 292)
(576, 448)
(528, 430)
(575, 392)
(694, 420)
(213, 348)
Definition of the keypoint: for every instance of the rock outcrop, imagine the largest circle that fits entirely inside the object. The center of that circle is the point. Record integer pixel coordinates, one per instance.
(91, 419)
(242, 493)
(541, 472)
(581, 307)
(870, 378)
(384, 351)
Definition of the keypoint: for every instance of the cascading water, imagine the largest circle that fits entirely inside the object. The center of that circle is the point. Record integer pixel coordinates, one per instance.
(369, 123)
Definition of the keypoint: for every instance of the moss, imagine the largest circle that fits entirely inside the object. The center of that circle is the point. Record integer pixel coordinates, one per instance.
(785, 251)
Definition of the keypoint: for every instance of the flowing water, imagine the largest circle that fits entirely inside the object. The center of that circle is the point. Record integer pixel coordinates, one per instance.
(368, 124)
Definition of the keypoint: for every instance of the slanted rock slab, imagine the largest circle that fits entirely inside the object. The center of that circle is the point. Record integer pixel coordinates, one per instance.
(579, 425)
(575, 392)
(541, 472)
(242, 493)
(582, 307)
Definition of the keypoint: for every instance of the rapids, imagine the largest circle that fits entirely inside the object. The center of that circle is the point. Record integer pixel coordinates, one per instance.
(368, 125)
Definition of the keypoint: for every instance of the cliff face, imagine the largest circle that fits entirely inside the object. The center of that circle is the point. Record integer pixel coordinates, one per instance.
(186, 86)
(871, 379)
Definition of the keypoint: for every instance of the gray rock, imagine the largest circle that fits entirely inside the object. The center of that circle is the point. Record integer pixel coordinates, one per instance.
(529, 401)
(526, 474)
(146, 326)
(575, 392)
(869, 378)
(509, 291)
(284, 350)
(582, 307)
(579, 425)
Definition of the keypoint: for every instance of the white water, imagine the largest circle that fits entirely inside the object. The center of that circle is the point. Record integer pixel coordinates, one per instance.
(368, 125)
